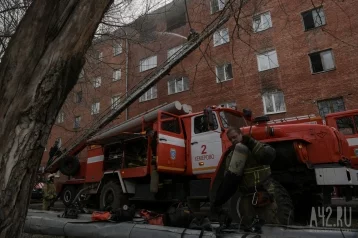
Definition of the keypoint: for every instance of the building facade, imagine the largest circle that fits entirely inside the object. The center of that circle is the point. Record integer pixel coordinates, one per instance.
(278, 58)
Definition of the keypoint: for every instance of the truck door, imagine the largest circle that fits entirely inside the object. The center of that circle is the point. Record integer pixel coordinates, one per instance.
(206, 145)
(348, 125)
(171, 144)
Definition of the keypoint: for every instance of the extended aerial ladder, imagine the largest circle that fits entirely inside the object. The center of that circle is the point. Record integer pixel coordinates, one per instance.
(194, 41)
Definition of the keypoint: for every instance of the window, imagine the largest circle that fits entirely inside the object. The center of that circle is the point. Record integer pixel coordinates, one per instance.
(115, 100)
(231, 105)
(201, 124)
(97, 82)
(223, 73)
(77, 122)
(60, 117)
(322, 61)
(59, 142)
(221, 37)
(148, 63)
(314, 18)
(346, 125)
(274, 102)
(262, 22)
(178, 85)
(217, 5)
(330, 105)
(78, 97)
(150, 94)
(117, 74)
(173, 51)
(267, 60)
(117, 49)
(95, 108)
(170, 124)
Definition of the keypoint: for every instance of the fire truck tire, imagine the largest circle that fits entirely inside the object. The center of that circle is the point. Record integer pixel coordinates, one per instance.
(68, 194)
(69, 165)
(285, 211)
(112, 196)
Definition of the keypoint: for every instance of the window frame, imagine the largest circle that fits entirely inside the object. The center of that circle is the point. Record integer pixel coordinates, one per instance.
(310, 11)
(320, 54)
(218, 33)
(60, 117)
(114, 79)
(219, 9)
(261, 17)
(185, 81)
(148, 58)
(115, 47)
(98, 110)
(225, 73)
(79, 122)
(330, 101)
(145, 98)
(97, 81)
(113, 106)
(259, 66)
(272, 94)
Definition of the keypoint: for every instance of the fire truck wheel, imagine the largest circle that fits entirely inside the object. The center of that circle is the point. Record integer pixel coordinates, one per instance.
(68, 194)
(112, 196)
(285, 211)
(69, 165)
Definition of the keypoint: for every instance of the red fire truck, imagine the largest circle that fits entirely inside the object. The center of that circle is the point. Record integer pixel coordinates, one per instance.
(311, 159)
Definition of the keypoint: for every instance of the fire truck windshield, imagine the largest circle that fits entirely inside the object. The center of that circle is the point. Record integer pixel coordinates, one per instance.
(229, 119)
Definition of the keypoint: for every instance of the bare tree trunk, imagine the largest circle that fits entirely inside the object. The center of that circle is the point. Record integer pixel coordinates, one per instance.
(40, 67)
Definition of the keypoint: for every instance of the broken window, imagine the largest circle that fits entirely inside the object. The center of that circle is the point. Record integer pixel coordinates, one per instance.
(314, 18)
(274, 102)
(330, 106)
(322, 61)
(262, 22)
(223, 73)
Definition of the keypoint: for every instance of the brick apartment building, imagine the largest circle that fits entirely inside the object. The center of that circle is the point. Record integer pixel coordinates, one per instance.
(281, 58)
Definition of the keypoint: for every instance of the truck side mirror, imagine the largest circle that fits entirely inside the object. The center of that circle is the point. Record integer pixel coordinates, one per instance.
(208, 118)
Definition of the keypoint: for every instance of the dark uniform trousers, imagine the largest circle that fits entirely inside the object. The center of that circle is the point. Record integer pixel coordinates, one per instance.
(256, 179)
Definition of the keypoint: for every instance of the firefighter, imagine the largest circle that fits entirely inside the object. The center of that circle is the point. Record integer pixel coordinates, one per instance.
(49, 193)
(248, 170)
(54, 151)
